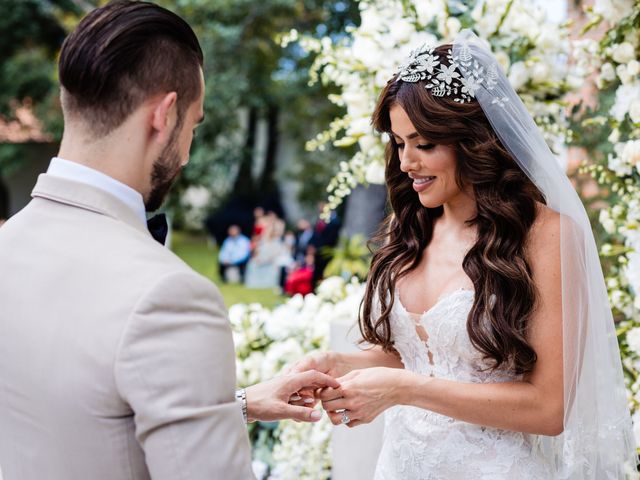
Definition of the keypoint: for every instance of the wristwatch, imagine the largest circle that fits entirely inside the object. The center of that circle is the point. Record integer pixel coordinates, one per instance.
(241, 396)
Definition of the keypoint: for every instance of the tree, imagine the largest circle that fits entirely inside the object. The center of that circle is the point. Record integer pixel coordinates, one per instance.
(31, 33)
(252, 81)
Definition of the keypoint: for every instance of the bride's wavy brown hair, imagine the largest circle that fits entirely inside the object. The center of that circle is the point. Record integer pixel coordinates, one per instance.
(506, 210)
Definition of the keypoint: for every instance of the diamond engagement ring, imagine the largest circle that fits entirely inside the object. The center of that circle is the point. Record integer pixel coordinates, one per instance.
(345, 417)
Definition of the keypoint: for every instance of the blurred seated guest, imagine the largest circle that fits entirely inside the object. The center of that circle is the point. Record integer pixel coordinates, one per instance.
(305, 232)
(234, 256)
(301, 280)
(286, 261)
(263, 269)
(259, 223)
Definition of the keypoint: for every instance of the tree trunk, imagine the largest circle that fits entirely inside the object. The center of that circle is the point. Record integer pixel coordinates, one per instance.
(244, 185)
(268, 186)
(267, 179)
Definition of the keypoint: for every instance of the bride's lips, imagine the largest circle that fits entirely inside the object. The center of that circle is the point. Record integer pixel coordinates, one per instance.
(420, 184)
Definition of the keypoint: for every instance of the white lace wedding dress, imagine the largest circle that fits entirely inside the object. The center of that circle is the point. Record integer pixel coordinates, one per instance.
(421, 445)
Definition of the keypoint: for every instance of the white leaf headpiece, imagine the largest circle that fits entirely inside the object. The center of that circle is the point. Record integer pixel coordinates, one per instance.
(460, 79)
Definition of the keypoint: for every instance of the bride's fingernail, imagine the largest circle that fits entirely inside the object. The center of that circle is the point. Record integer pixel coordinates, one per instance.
(316, 415)
(308, 400)
(295, 398)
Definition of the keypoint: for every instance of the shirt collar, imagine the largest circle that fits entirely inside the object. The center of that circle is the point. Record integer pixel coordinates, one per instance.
(59, 167)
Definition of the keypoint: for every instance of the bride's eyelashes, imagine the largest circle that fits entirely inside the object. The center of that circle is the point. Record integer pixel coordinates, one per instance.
(426, 146)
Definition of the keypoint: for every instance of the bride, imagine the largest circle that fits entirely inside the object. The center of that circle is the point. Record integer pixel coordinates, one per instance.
(492, 347)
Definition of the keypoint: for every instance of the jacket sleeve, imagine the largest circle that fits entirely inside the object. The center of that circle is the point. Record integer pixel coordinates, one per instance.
(175, 367)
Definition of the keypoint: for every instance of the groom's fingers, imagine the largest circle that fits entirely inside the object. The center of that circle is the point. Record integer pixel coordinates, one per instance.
(312, 378)
(302, 414)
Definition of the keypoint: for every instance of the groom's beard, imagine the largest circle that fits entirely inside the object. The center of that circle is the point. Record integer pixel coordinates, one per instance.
(165, 171)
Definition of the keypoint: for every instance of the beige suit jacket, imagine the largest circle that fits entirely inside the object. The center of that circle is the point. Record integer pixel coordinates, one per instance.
(116, 359)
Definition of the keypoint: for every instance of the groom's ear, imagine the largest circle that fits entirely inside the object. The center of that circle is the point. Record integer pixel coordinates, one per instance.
(164, 117)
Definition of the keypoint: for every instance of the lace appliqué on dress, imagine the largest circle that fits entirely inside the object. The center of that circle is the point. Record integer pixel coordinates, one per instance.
(423, 445)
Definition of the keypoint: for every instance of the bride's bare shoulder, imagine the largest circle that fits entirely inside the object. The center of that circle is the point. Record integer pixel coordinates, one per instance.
(546, 217)
(544, 235)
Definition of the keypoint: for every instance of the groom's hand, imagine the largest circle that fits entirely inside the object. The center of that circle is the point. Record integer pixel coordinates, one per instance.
(268, 401)
(324, 362)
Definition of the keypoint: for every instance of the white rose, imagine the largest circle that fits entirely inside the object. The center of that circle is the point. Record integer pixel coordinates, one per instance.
(518, 75)
(631, 153)
(634, 110)
(623, 74)
(487, 24)
(401, 30)
(633, 68)
(540, 73)
(368, 142)
(503, 60)
(606, 221)
(370, 20)
(360, 126)
(427, 11)
(613, 10)
(636, 426)
(633, 340)
(632, 272)
(623, 52)
(375, 173)
(236, 312)
(548, 38)
(367, 51)
(331, 289)
(607, 72)
(453, 26)
(282, 323)
(523, 25)
(357, 103)
(625, 94)
(615, 163)
(382, 77)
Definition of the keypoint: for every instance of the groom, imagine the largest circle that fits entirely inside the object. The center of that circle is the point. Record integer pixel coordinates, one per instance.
(116, 359)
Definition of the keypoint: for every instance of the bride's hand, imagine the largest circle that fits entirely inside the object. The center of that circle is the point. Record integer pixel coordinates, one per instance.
(364, 394)
(324, 362)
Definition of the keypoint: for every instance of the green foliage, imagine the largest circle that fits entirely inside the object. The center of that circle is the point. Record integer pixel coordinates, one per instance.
(350, 258)
(31, 33)
(246, 68)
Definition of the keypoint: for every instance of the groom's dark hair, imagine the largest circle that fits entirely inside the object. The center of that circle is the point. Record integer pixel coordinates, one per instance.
(122, 54)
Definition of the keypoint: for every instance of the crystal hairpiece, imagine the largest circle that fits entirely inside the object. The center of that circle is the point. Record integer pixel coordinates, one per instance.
(460, 79)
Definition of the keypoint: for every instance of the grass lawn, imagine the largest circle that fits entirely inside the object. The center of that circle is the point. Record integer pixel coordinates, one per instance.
(202, 256)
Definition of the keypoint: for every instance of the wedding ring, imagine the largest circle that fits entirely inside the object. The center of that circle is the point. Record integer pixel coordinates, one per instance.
(345, 417)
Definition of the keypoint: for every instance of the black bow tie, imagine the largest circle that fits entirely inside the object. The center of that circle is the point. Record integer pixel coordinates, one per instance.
(158, 227)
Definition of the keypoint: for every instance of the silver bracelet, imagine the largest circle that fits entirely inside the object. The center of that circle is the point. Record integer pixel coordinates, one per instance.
(241, 396)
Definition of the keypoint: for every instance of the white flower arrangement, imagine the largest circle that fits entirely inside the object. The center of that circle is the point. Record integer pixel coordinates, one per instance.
(530, 48)
(616, 55)
(267, 340)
